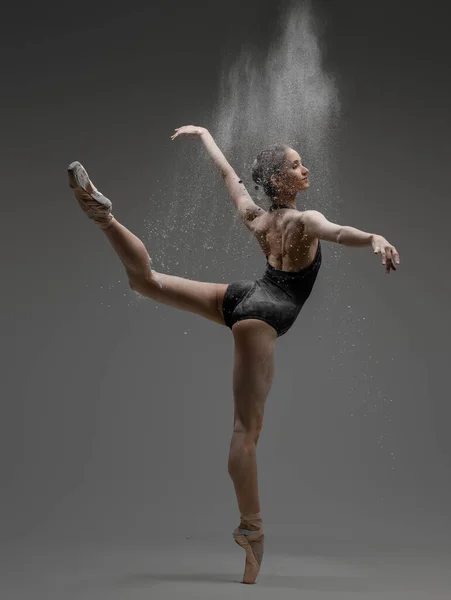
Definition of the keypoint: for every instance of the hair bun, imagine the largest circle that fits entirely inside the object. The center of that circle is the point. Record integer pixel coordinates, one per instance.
(268, 162)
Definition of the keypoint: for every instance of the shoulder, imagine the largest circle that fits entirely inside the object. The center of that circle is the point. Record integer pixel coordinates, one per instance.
(311, 219)
(307, 216)
(302, 218)
(310, 222)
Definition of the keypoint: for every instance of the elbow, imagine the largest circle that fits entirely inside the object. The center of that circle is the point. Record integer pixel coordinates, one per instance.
(249, 214)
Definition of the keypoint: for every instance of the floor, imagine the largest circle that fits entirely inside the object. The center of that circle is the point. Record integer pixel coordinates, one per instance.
(201, 569)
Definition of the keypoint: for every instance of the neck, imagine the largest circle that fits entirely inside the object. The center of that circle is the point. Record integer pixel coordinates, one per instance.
(288, 200)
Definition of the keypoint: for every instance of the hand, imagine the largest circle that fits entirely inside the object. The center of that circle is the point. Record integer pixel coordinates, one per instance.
(188, 130)
(389, 253)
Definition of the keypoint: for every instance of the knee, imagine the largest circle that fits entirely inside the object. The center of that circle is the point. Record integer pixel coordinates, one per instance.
(243, 448)
(248, 426)
(135, 283)
(246, 436)
(140, 282)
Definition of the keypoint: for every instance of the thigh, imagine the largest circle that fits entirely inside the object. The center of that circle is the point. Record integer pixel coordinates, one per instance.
(253, 371)
(199, 297)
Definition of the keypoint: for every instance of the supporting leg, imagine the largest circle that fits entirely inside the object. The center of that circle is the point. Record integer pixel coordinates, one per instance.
(253, 374)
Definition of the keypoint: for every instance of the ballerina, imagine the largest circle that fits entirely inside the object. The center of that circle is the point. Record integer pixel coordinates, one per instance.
(257, 312)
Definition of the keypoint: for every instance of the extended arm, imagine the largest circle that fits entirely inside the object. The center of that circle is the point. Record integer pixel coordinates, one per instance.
(317, 226)
(247, 209)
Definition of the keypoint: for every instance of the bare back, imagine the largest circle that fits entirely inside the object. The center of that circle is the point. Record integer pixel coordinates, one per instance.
(281, 235)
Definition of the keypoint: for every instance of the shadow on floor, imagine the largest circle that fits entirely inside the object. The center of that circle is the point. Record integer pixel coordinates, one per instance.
(321, 583)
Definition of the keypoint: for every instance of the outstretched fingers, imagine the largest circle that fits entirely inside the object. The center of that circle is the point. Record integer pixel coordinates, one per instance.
(176, 134)
(188, 130)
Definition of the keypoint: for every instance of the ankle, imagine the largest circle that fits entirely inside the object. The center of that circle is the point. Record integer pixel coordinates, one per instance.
(253, 522)
(104, 222)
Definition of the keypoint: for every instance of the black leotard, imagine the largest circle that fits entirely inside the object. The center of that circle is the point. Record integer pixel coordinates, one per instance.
(276, 298)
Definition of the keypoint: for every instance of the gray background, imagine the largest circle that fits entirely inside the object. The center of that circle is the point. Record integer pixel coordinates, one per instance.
(117, 414)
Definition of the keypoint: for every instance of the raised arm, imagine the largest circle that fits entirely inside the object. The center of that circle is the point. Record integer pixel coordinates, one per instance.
(247, 209)
(317, 226)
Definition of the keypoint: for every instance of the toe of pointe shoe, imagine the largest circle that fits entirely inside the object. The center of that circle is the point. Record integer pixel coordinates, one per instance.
(78, 177)
(254, 555)
(73, 165)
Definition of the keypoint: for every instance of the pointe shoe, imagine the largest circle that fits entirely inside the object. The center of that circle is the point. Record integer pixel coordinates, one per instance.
(94, 204)
(252, 543)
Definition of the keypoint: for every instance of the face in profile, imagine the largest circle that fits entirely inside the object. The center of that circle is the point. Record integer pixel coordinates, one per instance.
(294, 176)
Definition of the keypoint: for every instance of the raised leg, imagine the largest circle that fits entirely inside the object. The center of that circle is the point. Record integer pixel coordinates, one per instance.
(199, 297)
(253, 375)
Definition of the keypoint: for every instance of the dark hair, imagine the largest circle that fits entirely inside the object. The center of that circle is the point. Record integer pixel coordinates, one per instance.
(268, 163)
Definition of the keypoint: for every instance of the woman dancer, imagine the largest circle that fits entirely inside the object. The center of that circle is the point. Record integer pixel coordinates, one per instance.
(258, 311)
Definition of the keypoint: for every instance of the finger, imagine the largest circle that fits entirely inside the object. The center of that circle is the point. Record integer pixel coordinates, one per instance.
(391, 252)
(396, 255)
(384, 258)
(387, 266)
(390, 264)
